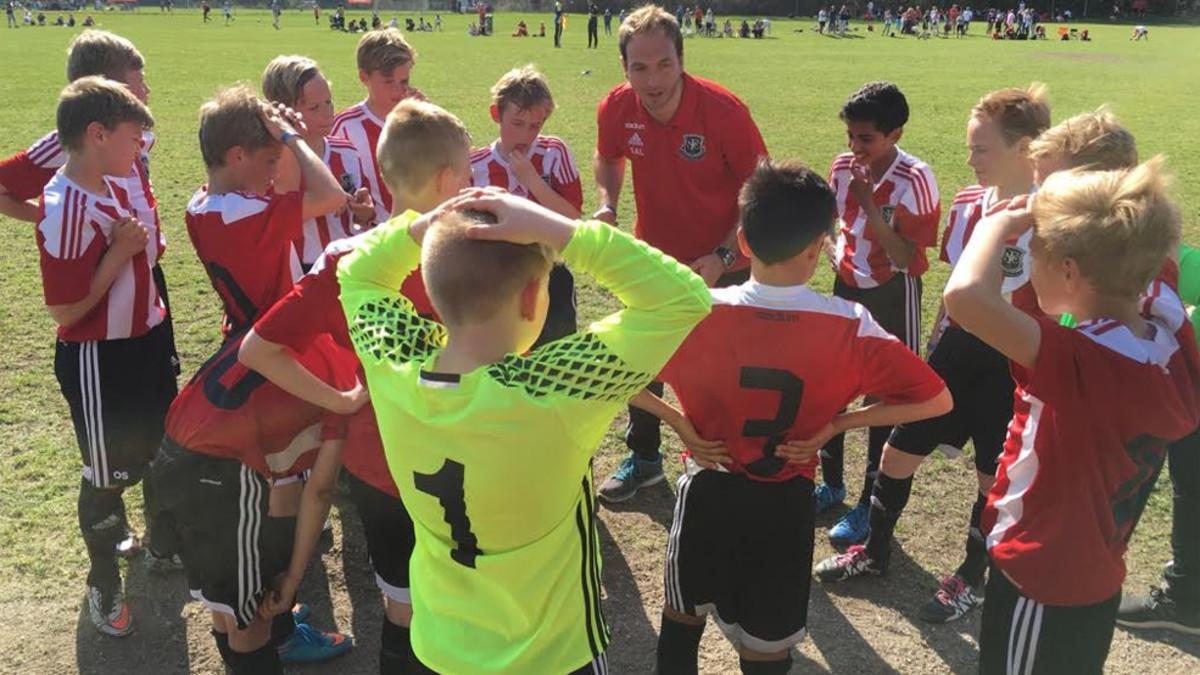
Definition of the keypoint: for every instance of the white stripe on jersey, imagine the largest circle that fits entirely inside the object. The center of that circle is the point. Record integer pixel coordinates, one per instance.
(799, 299)
(233, 206)
(349, 125)
(557, 163)
(1021, 473)
(46, 153)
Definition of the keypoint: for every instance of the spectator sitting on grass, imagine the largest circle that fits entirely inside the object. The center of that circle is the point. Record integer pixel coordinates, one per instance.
(522, 30)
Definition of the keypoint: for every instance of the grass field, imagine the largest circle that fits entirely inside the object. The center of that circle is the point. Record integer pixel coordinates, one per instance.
(794, 84)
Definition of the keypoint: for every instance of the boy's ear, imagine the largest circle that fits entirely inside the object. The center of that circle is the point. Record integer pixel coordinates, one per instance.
(895, 135)
(743, 245)
(234, 155)
(495, 111)
(95, 132)
(529, 299)
(362, 77)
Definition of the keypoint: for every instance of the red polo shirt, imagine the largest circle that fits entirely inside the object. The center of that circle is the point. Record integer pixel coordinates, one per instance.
(686, 173)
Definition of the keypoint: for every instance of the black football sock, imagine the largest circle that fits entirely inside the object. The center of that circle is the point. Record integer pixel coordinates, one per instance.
(766, 667)
(222, 640)
(678, 648)
(876, 438)
(102, 523)
(888, 500)
(395, 651)
(282, 627)
(832, 461)
(261, 661)
(976, 562)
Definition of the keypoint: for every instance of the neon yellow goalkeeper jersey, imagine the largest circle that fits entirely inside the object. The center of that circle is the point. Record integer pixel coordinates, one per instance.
(495, 465)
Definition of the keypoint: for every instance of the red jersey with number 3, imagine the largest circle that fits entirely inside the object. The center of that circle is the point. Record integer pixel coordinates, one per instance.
(774, 364)
(246, 243)
(1091, 422)
(551, 160)
(228, 410)
(907, 195)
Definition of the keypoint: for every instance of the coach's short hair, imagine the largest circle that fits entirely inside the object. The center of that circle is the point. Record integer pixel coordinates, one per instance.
(384, 50)
(419, 139)
(880, 103)
(1118, 226)
(285, 77)
(232, 119)
(523, 88)
(96, 99)
(648, 19)
(98, 52)
(470, 280)
(1020, 113)
(1094, 140)
(785, 207)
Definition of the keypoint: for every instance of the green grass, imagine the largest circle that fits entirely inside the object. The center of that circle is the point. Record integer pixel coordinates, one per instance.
(793, 83)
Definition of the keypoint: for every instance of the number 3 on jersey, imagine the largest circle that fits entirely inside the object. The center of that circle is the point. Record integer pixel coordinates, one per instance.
(791, 392)
(447, 486)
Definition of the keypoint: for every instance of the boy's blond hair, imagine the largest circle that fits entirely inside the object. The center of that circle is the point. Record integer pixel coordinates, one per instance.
(419, 139)
(522, 88)
(384, 50)
(470, 280)
(648, 19)
(98, 52)
(1093, 140)
(1020, 113)
(232, 119)
(96, 99)
(1118, 226)
(285, 77)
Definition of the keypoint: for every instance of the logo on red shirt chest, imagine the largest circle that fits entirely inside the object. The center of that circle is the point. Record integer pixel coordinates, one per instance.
(636, 145)
(693, 147)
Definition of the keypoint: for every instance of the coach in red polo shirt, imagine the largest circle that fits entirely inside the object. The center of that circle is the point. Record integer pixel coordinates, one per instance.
(692, 144)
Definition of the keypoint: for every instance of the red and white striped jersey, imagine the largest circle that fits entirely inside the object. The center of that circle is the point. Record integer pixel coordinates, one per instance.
(343, 161)
(551, 158)
(247, 245)
(27, 172)
(362, 128)
(969, 207)
(74, 232)
(772, 364)
(908, 197)
(1088, 437)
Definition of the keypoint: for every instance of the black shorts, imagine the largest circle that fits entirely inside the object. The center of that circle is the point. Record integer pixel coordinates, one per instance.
(982, 386)
(216, 511)
(389, 534)
(119, 392)
(1021, 635)
(560, 316)
(741, 550)
(895, 305)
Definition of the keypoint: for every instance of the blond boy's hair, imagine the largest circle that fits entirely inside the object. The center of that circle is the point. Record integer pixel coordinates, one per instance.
(522, 88)
(384, 50)
(470, 280)
(648, 19)
(96, 99)
(232, 119)
(285, 77)
(419, 139)
(1020, 113)
(1093, 140)
(98, 52)
(1118, 225)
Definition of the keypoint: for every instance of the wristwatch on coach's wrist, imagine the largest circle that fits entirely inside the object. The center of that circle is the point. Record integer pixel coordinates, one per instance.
(728, 257)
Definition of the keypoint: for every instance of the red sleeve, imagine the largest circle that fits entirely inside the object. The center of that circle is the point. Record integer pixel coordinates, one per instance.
(891, 372)
(68, 278)
(285, 216)
(308, 310)
(608, 139)
(920, 229)
(333, 427)
(565, 179)
(22, 178)
(745, 146)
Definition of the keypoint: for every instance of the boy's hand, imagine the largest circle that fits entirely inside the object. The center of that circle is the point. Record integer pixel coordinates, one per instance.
(1014, 220)
(523, 169)
(707, 454)
(281, 120)
(861, 186)
(352, 400)
(709, 267)
(362, 206)
(518, 220)
(801, 451)
(129, 237)
(280, 597)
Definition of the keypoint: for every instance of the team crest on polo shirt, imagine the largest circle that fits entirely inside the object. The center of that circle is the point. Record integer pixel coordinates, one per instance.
(693, 147)
(888, 213)
(348, 185)
(1012, 261)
